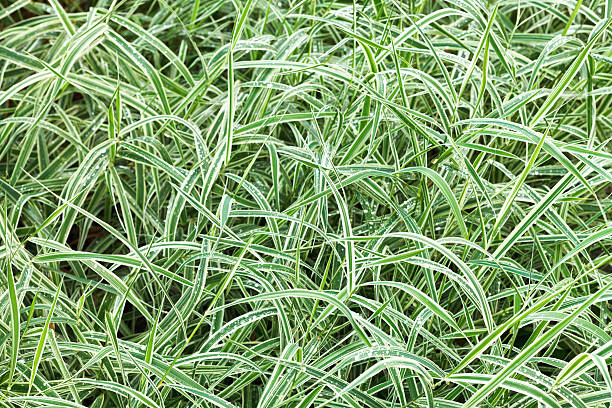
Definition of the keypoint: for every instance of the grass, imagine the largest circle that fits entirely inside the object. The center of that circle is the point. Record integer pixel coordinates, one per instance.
(305, 203)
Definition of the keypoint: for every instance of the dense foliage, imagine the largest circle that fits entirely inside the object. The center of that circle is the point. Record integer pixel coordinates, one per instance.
(306, 203)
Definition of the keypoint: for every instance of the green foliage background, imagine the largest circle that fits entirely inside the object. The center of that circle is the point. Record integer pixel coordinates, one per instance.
(305, 203)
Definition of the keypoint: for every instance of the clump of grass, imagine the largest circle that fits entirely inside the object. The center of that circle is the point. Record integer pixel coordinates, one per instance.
(306, 203)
